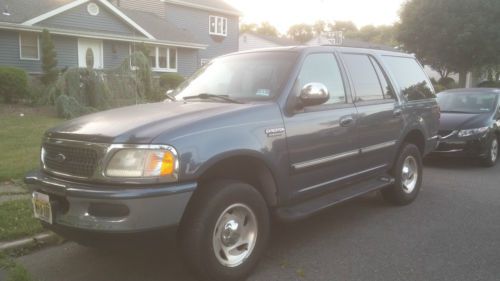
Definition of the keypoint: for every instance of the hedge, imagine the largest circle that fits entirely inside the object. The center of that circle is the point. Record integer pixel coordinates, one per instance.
(13, 84)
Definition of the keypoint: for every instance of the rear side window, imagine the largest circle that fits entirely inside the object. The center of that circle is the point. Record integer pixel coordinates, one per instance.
(323, 68)
(410, 77)
(364, 77)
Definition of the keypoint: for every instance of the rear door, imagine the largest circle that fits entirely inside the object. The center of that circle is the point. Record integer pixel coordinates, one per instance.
(380, 119)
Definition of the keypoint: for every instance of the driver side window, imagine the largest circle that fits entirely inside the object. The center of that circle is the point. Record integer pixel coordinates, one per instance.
(324, 69)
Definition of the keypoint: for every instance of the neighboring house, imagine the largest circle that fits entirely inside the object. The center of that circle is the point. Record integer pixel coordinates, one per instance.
(250, 41)
(102, 34)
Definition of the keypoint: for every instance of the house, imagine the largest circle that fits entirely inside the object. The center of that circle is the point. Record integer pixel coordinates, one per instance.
(251, 40)
(180, 34)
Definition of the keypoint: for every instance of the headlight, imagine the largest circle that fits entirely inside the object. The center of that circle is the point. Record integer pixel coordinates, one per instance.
(143, 163)
(472, 132)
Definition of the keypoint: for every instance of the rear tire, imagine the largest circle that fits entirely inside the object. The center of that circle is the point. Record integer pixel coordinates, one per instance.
(225, 231)
(407, 173)
(493, 149)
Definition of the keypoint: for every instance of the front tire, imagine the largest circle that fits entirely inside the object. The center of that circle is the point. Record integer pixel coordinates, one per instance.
(493, 149)
(407, 172)
(225, 231)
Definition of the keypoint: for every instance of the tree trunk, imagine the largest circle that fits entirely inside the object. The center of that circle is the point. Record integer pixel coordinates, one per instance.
(462, 78)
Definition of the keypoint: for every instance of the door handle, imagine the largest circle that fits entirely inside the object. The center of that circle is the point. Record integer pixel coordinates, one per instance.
(398, 112)
(346, 121)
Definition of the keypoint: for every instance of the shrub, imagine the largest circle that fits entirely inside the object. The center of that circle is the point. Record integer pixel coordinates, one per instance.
(70, 107)
(49, 59)
(489, 84)
(448, 82)
(13, 84)
(170, 81)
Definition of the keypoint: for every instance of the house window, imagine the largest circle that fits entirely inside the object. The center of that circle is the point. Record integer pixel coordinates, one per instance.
(204, 62)
(29, 46)
(218, 26)
(161, 59)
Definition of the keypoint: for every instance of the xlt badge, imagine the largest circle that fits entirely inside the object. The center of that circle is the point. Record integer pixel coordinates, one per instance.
(275, 132)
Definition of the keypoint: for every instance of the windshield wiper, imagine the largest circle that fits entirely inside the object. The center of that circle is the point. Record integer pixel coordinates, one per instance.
(205, 96)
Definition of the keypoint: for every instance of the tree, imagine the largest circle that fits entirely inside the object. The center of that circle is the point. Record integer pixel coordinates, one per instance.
(300, 32)
(49, 59)
(319, 27)
(264, 28)
(348, 28)
(267, 29)
(460, 35)
(384, 34)
(248, 27)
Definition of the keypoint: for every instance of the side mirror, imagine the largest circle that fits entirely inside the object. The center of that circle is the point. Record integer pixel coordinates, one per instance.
(314, 94)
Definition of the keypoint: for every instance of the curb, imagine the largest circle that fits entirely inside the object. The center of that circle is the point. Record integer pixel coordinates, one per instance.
(22, 243)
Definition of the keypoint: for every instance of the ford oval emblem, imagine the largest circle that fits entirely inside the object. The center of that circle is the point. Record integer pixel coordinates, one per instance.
(60, 158)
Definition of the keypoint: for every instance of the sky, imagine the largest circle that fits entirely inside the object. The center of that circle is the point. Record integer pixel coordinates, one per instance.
(283, 13)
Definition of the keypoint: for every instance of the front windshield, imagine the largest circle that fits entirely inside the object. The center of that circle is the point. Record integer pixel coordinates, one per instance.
(243, 77)
(473, 103)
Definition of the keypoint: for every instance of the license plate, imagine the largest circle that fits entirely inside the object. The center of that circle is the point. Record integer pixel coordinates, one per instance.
(42, 207)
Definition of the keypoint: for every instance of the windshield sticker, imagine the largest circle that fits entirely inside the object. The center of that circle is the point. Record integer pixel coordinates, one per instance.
(263, 93)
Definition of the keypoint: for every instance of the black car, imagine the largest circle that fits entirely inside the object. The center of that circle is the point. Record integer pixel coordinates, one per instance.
(284, 133)
(470, 124)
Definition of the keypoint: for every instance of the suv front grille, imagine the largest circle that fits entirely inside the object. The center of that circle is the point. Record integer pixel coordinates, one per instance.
(70, 160)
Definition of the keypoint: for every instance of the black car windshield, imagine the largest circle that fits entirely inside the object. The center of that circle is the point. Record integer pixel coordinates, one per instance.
(471, 103)
(242, 77)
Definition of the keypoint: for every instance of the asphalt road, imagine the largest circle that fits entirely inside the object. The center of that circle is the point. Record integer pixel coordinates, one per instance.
(452, 232)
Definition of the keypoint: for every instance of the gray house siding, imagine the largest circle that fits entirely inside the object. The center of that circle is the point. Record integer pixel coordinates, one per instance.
(188, 61)
(197, 21)
(79, 19)
(151, 6)
(115, 53)
(66, 48)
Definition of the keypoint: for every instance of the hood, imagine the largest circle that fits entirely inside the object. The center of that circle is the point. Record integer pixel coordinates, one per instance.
(139, 124)
(463, 121)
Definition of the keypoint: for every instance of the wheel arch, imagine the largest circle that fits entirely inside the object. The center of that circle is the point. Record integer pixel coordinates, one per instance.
(246, 166)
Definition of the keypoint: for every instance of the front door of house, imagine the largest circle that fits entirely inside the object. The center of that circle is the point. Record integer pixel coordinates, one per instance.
(90, 54)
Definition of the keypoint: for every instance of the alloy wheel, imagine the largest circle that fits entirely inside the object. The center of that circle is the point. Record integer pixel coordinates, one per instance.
(235, 235)
(409, 175)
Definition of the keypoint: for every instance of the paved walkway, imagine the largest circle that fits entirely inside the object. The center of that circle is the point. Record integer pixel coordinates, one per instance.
(10, 192)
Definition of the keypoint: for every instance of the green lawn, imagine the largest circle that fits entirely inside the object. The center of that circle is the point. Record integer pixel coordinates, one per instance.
(15, 272)
(16, 220)
(20, 139)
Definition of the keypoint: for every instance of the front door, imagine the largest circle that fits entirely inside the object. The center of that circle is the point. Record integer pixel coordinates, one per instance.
(90, 54)
(322, 139)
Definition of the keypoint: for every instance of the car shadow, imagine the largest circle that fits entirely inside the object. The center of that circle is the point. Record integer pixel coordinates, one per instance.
(453, 163)
(158, 257)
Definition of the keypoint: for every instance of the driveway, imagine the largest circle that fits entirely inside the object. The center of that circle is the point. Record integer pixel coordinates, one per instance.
(452, 232)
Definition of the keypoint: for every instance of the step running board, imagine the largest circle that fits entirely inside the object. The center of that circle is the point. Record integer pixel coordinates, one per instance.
(317, 204)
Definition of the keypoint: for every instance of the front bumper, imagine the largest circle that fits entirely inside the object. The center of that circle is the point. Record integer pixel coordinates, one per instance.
(111, 208)
(476, 147)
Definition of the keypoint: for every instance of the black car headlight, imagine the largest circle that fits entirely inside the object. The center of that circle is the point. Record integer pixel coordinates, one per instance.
(472, 132)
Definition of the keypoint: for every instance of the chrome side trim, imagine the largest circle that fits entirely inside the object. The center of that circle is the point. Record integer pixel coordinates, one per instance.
(315, 162)
(436, 137)
(449, 151)
(342, 178)
(378, 146)
(341, 156)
